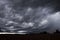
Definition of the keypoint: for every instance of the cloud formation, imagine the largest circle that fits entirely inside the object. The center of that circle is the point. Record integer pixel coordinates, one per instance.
(28, 18)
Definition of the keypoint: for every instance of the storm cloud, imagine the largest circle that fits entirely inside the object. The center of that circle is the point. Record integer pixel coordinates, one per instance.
(29, 16)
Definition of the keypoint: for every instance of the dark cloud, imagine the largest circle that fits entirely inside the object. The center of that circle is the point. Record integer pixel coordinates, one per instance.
(19, 15)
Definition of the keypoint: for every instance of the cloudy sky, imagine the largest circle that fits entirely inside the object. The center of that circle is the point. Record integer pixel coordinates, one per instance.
(29, 16)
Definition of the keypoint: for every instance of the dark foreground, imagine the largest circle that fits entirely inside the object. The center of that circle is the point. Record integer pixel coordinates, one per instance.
(41, 36)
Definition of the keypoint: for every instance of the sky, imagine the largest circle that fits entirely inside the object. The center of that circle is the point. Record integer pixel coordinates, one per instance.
(29, 16)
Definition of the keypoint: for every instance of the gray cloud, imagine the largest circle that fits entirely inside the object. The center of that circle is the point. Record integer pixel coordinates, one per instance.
(29, 19)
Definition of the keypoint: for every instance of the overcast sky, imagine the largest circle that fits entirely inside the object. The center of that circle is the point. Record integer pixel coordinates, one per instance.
(30, 15)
